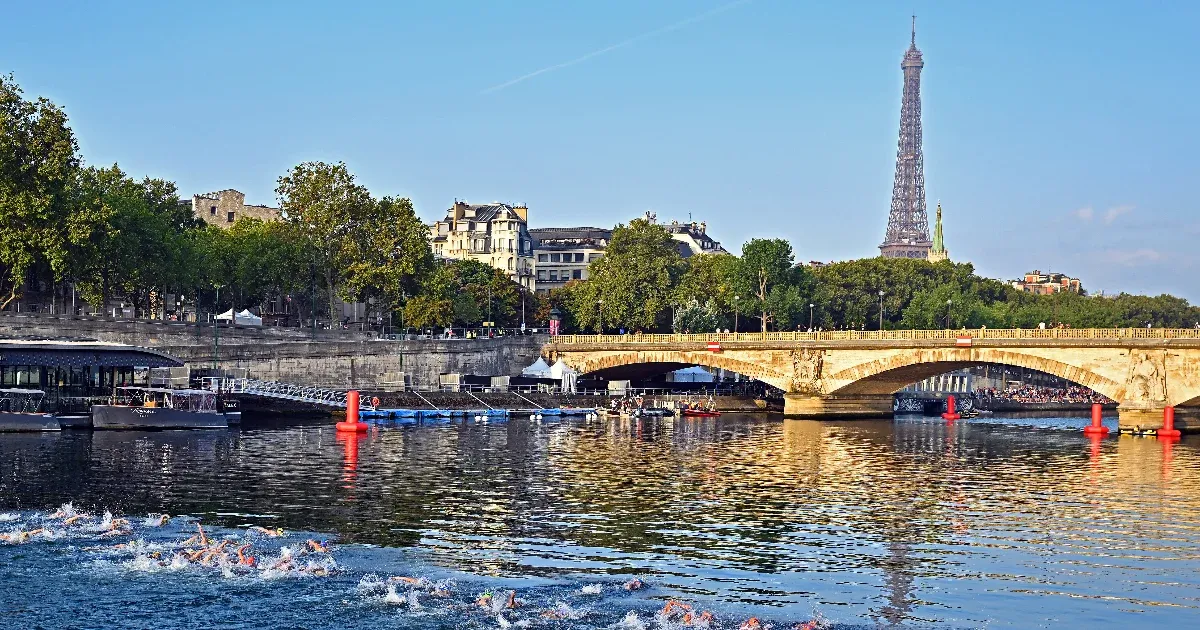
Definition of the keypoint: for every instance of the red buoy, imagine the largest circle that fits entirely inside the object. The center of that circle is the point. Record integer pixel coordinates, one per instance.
(950, 413)
(1168, 429)
(352, 422)
(1097, 427)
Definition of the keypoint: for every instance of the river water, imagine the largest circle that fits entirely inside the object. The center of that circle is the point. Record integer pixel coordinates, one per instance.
(992, 523)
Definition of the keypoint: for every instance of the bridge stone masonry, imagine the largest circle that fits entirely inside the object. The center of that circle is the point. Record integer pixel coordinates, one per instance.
(854, 374)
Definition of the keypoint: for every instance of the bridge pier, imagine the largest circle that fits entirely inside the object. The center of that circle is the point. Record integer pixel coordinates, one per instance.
(831, 407)
(1142, 418)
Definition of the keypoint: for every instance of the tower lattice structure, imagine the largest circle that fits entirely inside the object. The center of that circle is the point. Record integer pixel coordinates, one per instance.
(908, 223)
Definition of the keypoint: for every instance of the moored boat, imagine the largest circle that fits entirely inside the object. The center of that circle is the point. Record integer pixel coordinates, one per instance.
(699, 413)
(160, 408)
(20, 410)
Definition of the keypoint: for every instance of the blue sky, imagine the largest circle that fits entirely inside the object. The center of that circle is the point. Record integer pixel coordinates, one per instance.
(1058, 135)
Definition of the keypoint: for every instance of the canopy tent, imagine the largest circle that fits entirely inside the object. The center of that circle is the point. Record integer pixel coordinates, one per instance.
(539, 369)
(564, 372)
(694, 374)
(244, 318)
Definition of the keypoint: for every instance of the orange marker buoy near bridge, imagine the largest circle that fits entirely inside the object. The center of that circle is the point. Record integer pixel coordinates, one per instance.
(352, 423)
(1097, 427)
(950, 414)
(1168, 429)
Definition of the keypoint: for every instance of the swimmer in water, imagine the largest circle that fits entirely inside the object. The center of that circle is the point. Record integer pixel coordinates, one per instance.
(512, 600)
(674, 606)
(20, 536)
(484, 600)
(635, 585)
(273, 533)
(71, 520)
(198, 538)
(158, 520)
(245, 559)
(751, 624)
(318, 547)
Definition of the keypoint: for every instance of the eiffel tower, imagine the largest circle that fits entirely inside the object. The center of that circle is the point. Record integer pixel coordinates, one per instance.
(908, 224)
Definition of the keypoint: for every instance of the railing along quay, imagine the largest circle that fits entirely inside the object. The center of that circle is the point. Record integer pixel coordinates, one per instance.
(889, 335)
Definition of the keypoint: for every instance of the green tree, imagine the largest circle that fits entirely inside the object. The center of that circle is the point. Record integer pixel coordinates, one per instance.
(38, 165)
(386, 259)
(327, 208)
(633, 284)
(694, 317)
(768, 282)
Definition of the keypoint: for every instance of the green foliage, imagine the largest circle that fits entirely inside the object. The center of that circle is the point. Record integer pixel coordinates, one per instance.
(327, 209)
(768, 283)
(38, 165)
(694, 317)
(632, 286)
(428, 311)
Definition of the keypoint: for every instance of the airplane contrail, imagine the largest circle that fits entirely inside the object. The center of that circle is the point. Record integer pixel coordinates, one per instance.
(632, 40)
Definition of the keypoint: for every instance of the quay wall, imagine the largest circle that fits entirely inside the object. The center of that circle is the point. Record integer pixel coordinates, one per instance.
(323, 358)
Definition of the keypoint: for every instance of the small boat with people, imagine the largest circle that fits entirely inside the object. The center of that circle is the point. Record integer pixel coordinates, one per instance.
(21, 410)
(161, 408)
(699, 409)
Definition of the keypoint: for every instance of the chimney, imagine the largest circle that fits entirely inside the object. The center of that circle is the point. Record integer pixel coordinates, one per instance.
(522, 212)
(459, 210)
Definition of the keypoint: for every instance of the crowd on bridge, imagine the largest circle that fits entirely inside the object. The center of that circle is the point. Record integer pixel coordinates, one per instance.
(1034, 394)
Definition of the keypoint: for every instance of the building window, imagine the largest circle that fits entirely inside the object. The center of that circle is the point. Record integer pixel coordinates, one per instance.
(543, 257)
(553, 275)
(592, 257)
(579, 257)
(542, 276)
(229, 217)
(510, 263)
(577, 274)
(212, 210)
(555, 257)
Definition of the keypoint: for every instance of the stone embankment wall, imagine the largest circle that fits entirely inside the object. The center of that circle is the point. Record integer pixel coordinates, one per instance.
(323, 358)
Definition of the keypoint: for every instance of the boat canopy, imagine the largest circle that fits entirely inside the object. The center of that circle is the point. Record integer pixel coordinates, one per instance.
(27, 392)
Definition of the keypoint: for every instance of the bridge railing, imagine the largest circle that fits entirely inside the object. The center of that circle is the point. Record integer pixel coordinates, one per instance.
(890, 335)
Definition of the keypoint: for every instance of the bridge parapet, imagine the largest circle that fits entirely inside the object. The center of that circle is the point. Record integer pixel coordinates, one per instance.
(889, 335)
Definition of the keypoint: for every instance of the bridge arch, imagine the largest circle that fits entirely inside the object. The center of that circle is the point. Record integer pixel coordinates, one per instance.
(590, 363)
(892, 373)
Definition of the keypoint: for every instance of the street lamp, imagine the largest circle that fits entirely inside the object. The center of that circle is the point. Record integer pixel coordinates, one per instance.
(735, 312)
(599, 316)
(881, 310)
(810, 319)
(949, 303)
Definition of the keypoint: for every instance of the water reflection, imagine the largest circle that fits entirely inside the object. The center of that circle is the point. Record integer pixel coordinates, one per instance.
(906, 521)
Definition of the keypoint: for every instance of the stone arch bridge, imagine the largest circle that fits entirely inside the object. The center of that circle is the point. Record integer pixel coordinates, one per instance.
(854, 373)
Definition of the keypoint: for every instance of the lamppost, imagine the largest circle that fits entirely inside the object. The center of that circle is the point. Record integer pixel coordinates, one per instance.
(216, 329)
(881, 310)
(599, 316)
(810, 318)
(522, 287)
(735, 312)
(949, 303)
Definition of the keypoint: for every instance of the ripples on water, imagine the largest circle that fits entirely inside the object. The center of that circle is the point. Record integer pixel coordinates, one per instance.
(1016, 523)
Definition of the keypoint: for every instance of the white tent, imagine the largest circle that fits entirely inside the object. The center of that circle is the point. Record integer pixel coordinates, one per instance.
(563, 371)
(694, 374)
(539, 369)
(244, 318)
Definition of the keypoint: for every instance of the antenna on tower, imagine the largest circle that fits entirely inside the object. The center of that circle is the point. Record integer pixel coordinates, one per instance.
(914, 30)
